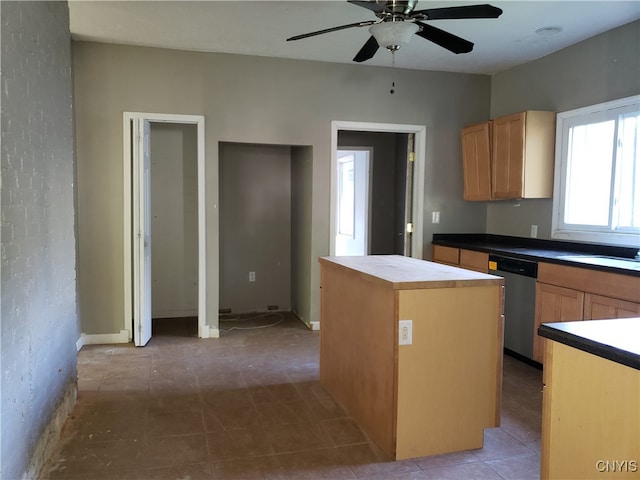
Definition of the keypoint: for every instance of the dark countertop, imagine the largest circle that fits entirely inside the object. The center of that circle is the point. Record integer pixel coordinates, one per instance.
(617, 340)
(596, 257)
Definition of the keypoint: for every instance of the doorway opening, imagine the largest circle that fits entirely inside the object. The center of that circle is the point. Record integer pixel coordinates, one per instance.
(265, 216)
(171, 283)
(396, 186)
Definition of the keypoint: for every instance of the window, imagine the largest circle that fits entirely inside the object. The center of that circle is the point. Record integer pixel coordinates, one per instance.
(597, 181)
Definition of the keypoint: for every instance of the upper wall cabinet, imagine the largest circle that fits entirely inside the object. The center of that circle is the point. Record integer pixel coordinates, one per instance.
(522, 155)
(476, 161)
(509, 157)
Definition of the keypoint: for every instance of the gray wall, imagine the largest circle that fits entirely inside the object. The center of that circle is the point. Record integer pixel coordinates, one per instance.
(301, 188)
(251, 100)
(174, 220)
(255, 227)
(39, 318)
(602, 68)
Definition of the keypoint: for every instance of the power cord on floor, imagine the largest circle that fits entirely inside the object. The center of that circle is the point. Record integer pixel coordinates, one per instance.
(243, 318)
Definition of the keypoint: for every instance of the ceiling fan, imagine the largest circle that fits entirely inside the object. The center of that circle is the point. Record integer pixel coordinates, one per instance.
(398, 20)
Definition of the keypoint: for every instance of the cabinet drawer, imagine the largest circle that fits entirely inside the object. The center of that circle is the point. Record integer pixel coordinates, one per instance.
(444, 254)
(478, 261)
(624, 287)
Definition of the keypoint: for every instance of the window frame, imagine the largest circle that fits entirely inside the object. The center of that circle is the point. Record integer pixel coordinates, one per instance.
(564, 121)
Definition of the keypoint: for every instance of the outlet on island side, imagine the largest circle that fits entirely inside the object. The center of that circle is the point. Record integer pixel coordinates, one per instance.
(534, 231)
(405, 332)
(252, 276)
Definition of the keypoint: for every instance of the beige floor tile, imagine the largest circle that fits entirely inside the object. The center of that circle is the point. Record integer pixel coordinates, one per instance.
(250, 406)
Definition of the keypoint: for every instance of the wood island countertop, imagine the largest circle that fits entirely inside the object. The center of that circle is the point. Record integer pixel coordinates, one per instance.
(406, 273)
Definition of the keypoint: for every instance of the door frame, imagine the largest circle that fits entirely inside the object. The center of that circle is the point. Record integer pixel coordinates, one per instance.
(420, 132)
(198, 120)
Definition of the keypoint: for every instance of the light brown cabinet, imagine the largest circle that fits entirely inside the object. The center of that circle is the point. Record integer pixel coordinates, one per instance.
(523, 155)
(446, 255)
(598, 307)
(472, 260)
(476, 161)
(458, 257)
(510, 157)
(590, 415)
(570, 293)
(554, 304)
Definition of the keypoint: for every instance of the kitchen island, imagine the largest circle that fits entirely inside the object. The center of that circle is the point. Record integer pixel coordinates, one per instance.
(591, 399)
(439, 390)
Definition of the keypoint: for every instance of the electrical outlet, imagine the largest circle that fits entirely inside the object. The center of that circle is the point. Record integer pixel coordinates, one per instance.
(435, 217)
(534, 231)
(252, 276)
(405, 332)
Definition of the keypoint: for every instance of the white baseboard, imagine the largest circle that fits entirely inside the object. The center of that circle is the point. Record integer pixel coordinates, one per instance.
(209, 332)
(175, 313)
(80, 343)
(315, 326)
(48, 441)
(103, 338)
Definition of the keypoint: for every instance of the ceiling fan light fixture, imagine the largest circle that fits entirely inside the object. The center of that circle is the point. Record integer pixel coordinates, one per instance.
(393, 35)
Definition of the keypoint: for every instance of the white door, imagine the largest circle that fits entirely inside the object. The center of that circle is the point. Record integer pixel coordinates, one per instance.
(352, 203)
(142, 232)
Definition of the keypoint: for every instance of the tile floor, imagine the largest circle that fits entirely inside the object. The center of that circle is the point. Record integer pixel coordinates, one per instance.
(249, 406)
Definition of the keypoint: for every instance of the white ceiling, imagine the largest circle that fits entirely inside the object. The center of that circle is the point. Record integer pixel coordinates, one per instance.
(261, 27)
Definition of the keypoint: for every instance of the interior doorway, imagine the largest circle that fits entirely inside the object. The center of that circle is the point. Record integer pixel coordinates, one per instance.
(408, 183)
(138, 227)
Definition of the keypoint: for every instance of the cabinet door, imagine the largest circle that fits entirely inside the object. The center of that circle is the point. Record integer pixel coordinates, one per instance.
(476, 161)
(554, 304)
(471, 260)
(597, 307)
(508, 156)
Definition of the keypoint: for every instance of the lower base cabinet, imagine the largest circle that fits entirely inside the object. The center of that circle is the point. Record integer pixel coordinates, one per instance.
(554, 304)
(565, 294)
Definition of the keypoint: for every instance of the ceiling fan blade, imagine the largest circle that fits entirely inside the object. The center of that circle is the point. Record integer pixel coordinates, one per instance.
(374, 6)
(467, 11)
(332, 29)
(446, 40)
(367, 51)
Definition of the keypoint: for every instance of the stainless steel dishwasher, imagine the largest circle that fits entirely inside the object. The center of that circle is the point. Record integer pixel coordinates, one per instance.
(519, 303)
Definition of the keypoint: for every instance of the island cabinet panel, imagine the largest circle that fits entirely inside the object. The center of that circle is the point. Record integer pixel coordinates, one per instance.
(435, 395)
(357, 350)
(590, 416)
(445, 367)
